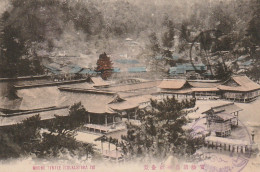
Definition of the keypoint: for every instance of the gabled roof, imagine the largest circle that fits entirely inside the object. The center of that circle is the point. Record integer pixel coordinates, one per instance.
(243, 82)
(93, 103)
(173, 84)
(131, 102)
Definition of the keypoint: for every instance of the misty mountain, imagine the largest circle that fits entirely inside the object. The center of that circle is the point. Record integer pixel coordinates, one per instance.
(83, 28)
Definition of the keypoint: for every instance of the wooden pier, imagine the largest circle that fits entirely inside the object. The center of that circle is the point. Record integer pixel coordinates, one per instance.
(232, 145)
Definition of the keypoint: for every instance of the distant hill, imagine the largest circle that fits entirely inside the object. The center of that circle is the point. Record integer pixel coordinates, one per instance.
(83, 28)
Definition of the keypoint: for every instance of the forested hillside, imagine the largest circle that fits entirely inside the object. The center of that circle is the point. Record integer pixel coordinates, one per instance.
(32, 30)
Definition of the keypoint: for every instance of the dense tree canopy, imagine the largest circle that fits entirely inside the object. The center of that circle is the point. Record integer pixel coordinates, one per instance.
(161, 132)
(32, 30)
(55, 138)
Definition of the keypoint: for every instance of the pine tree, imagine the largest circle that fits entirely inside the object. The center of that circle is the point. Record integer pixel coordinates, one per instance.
(168, 38)
(154, 43)
(27, 138)
(222, 72)
(161, 132)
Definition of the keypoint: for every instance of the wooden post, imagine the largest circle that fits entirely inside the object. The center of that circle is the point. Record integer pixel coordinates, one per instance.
(106, 120)
(101, 147)
(109, 145)
(116, 154)
(237, 118)
(89, 118)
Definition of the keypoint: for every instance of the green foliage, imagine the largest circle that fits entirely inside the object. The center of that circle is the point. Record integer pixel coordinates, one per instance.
(254, 72)
(161, 132)
(21, 139)
(56, 140)
(41, 25)
(222, 72)
(61, 131)
(168, 36)
(254, 24)
(184, 37)
(154, 43)
(20, 28)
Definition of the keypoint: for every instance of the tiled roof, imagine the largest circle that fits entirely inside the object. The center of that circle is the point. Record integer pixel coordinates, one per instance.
(94, 103)
(131, 102)
(172, 84)
(245, 84)
(43, 97)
